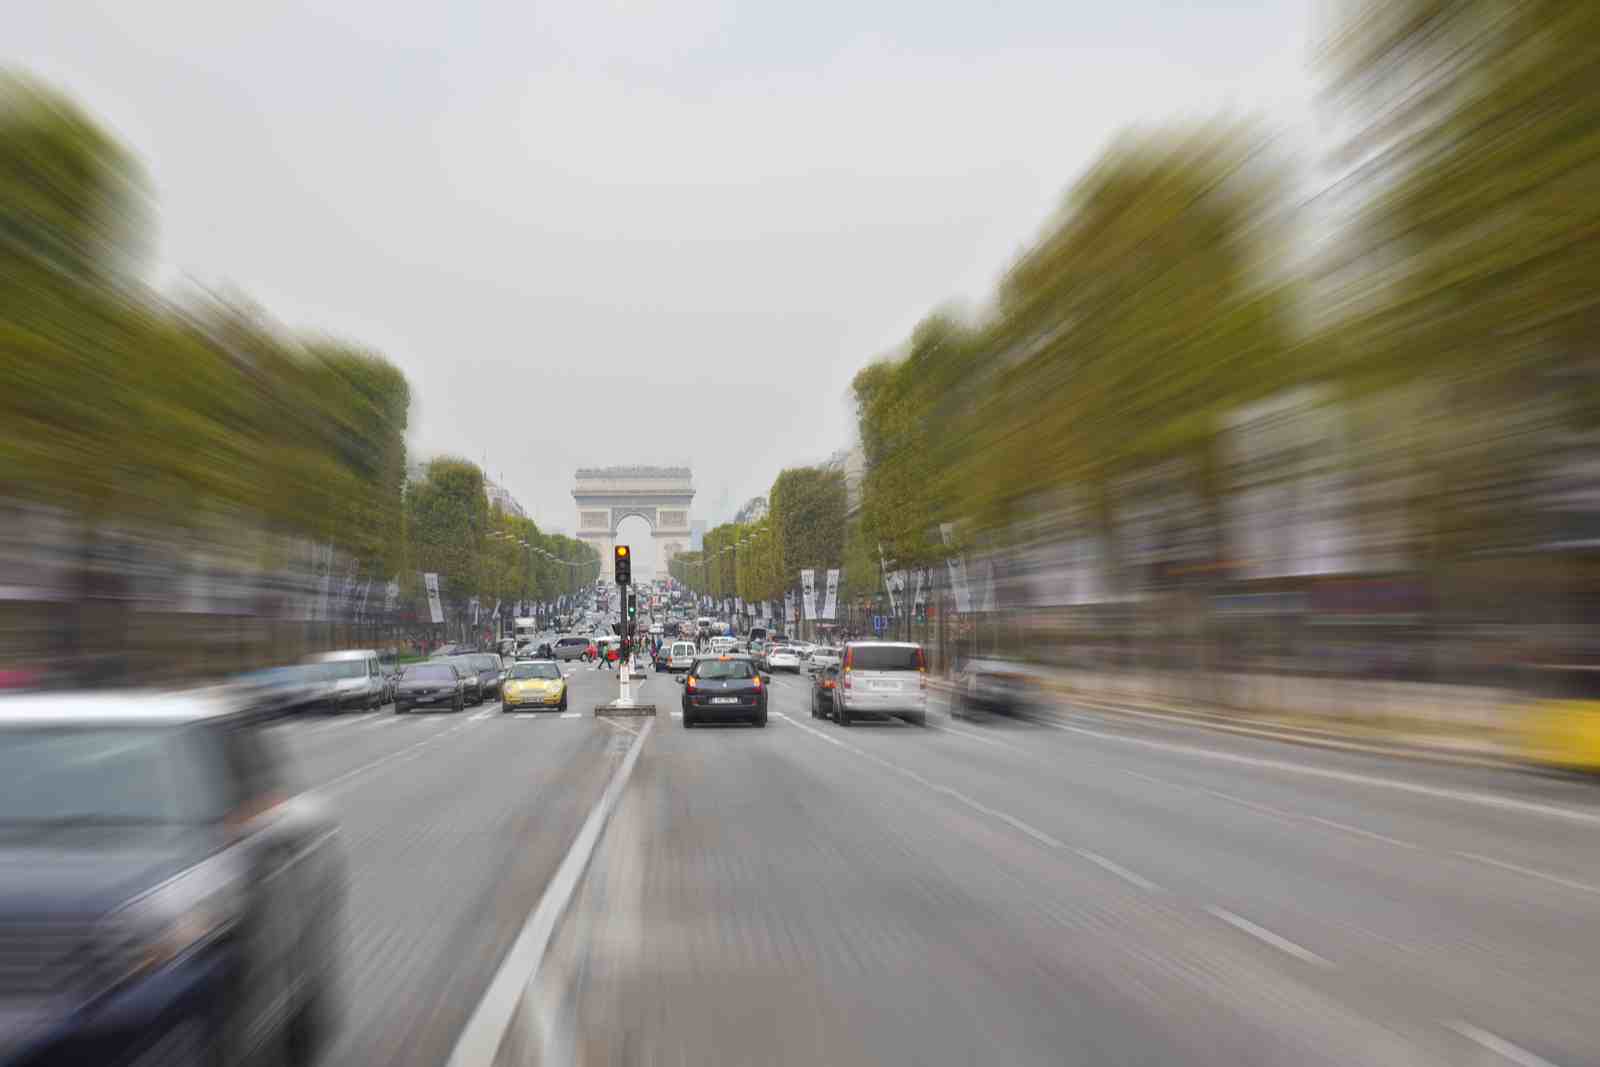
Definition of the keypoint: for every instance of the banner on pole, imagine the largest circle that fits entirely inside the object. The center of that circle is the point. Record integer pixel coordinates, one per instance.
(958, 584)
(830, 599)
(391, 596)
(435, 609)
(808, 592)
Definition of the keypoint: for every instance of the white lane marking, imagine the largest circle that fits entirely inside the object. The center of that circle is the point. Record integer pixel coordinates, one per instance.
(329, 785)
(954, 794)
(1118, 870)
(484, 714)
(1514, 1053)
(342, 721)
(480, 1039)
(1278, 813)
(1283, 944)
(609, 721)
(1582, 887)
(975, 737)
(571, 714)
(1487, 800)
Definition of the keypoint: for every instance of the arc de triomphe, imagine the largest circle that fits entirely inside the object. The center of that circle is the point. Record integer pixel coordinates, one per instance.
(659, 495)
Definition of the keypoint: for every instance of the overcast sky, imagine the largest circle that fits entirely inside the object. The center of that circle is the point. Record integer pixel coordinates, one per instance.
(669, 231)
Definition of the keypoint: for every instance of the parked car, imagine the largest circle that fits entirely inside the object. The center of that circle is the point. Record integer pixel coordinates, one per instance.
(431, 685)
(783, 658)
(718, 688)
(167, 899)
(824, 683)
(469, 672)
(535, 684)
(882, 678)
(357, 681)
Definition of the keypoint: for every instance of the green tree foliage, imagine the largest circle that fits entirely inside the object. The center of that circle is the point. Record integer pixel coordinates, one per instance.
(449, 522)
(1467, 272)
(807, 520)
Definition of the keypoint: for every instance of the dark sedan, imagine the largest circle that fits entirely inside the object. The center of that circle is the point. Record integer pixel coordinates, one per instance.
(491, 672)
(824, 684)
(723, 688)
(166, 899)
(469, 672)
(430, 685)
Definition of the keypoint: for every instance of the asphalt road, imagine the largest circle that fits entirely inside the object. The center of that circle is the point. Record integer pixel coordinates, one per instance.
(1078, 891)
(1083, 892)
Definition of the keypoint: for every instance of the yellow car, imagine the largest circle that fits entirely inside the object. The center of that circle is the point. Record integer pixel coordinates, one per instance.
(534, 684)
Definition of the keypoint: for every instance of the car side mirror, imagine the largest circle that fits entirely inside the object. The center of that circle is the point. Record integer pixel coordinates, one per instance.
(766, 678)
(678, 678)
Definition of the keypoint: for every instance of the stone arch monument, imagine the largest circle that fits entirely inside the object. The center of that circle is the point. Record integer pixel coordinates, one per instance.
(659, 495)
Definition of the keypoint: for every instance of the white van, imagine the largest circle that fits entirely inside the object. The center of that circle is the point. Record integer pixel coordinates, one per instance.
(681, 658)
(352, 679)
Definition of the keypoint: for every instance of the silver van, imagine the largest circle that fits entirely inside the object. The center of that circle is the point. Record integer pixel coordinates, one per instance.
(353, 679)
(882, 678)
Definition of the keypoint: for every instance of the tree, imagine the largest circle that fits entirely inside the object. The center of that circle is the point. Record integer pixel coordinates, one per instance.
(449, 520)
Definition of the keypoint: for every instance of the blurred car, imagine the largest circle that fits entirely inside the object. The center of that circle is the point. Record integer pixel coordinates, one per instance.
(431, 685)
(882, 678)
(281, 690)
(823, 656)
(721, 645)
(824, 683)
(167, 899)
(389, 666)
(682, 656)
(993, 686)
(783, 658)
(719, 688)
(535, 684)
(469, 673)
(491, 672)
(571, 647)
(357, 681)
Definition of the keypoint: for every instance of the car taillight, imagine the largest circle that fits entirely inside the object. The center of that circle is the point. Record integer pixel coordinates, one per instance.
(827, 685)
(688, 683)
(757, 680)
(847, 678)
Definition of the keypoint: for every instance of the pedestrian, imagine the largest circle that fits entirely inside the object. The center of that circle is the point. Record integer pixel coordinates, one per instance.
(612, 655)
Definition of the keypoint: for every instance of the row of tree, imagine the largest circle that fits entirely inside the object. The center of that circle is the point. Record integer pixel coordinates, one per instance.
(197, 421)
(1441, 297)
(760, 558)
(482, 551)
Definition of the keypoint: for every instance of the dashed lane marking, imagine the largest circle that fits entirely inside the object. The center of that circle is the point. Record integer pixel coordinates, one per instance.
(1499, 1045)
(1261, 933)
(1487, 800)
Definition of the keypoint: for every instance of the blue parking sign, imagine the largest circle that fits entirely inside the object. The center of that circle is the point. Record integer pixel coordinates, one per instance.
(878, 622)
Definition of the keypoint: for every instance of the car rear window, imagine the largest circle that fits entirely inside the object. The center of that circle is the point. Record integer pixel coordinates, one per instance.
(683, 648)
(885, 658)
(431, 674)
(724, 668)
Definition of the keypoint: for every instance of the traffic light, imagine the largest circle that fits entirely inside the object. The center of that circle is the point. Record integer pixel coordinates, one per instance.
(624, 565)
(633, 611)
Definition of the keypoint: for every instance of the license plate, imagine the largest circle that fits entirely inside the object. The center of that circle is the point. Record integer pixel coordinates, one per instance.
(724, 700)
(426, 700)
(889, 686)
